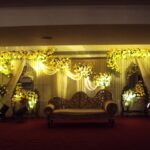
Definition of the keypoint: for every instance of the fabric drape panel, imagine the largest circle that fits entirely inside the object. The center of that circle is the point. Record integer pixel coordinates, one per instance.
(61, 84)
(45, 83)
(144, 65)
(98, 64)
(18, 66)
(47, 87)
(118, 82)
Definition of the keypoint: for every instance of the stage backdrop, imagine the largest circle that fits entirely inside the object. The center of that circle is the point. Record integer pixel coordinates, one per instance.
(61, 85)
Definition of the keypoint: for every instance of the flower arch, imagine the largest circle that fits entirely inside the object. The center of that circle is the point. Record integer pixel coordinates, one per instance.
(114, 54)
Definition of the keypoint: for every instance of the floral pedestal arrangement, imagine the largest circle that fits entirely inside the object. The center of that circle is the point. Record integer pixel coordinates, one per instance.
(25, 99)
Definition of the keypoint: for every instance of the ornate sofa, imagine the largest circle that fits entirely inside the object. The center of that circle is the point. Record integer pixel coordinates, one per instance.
(81, 106)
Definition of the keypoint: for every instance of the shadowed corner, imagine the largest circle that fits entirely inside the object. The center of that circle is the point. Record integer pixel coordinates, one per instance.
(3, 111)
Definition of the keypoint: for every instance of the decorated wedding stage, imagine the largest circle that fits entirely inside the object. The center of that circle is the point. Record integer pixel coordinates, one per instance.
(33, 76)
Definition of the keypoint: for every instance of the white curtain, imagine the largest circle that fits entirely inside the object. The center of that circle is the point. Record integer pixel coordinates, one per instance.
(18, 66)
(61, 84)
(144, 65)
(118, 82)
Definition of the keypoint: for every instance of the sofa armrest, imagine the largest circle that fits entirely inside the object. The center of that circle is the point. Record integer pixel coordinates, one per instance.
(49, 109)
(110, 107)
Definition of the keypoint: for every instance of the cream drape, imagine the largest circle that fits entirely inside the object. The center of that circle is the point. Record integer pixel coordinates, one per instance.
(118, 82)
(18, 66)
(144, 65)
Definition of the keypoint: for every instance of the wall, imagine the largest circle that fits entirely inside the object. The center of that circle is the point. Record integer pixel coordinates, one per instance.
(74, 15)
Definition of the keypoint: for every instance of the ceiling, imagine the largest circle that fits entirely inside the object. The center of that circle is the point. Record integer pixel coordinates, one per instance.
(26, 3)
(75, 35)
(76, 40)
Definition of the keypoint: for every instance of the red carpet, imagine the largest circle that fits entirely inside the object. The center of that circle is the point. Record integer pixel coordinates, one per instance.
(129, 133)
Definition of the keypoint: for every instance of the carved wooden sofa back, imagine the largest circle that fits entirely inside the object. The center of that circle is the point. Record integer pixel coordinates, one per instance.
(82, 100)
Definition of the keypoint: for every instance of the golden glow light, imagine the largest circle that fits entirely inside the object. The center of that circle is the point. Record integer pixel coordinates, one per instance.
(39, 66)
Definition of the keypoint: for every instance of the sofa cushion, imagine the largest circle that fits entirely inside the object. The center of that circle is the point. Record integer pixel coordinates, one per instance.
(78, 111)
